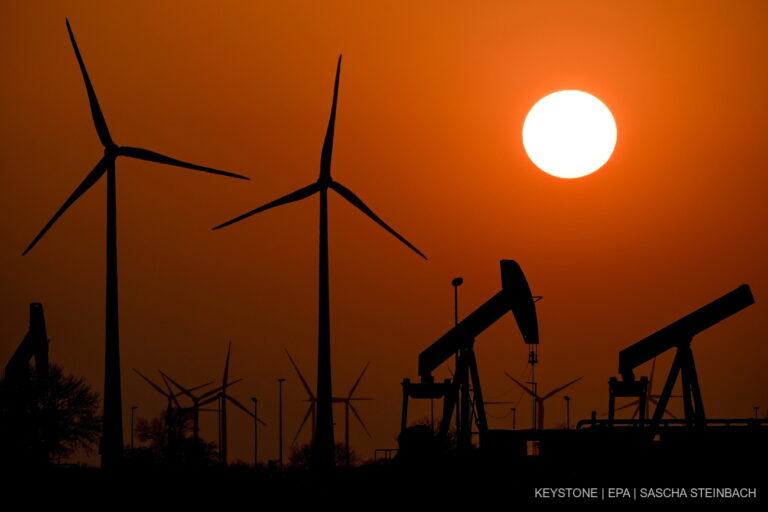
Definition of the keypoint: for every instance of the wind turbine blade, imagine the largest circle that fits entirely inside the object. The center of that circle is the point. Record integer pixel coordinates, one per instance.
(555, 391)
(98, 117)
(525, 388)
(297, 195)
(301, 377)
(208, 400)
(81, 189)
(627, 406)
(303, 422)
(155, 386)
(220, 389)
(151, 156)
(241, 406)
(354, 387)
(354, 411)
(226, 368)
(357, 202)
(200, 386)
(327, 152)
(244, 409)
(181, 388)
(665, 410)
(170, 391)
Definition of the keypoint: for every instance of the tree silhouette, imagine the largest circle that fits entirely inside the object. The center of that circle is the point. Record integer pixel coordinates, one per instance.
(48, 419)
(166, 444)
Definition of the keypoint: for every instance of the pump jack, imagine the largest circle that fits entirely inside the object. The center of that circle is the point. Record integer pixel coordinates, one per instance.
(678, 335)
(515, 296)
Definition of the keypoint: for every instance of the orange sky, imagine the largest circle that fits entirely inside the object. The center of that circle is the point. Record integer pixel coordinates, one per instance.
(432, 101)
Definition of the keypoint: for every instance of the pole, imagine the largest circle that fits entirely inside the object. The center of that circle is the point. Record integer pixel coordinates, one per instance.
(112, 418)
(514, 417)
(567, 412)
(280, 414)
(133, 408)
(323, 449)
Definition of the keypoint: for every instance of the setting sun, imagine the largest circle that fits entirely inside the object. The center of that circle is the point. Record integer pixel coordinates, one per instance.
(569, 134)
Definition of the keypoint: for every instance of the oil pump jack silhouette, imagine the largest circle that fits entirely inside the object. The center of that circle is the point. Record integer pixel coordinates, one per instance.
(111, 447)
(515, 296)
(323, 444)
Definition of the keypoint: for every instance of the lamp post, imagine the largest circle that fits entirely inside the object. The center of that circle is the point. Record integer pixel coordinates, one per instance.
(567, 412)
(514, 417)
(280, 414)
(458, 281)
(133, 408)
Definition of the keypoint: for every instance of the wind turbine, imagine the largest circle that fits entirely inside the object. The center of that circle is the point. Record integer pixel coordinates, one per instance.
(112, 420)
(347, 401)
(310, 398)
(323, 444)
(197, 401)
(172, 399)
(540, 399)
(222, 396)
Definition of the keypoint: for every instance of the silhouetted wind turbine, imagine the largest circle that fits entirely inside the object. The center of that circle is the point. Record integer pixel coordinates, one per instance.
(197, 401)
(347, 401)
(222, 396)
(171, 396)
(540, 399)
(311, 399)
(112, 420)
(347, 407)
(323, 445)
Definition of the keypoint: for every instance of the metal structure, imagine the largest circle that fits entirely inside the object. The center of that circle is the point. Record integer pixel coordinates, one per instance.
(323, 443)
(111, 447)
(34, 345)
(679, 336)
(19, 389)
(515, 296)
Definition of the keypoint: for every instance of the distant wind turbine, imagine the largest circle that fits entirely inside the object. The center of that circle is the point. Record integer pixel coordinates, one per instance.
(347, 401)
(323, 445)
(222, 397)
(197, 401)
(540, 399)
(112, 419)
(172, 399)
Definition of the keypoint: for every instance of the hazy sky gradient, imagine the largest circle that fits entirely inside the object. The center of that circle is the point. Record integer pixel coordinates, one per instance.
(428, 133)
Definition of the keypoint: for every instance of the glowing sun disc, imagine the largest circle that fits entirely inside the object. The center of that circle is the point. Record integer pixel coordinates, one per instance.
(569, 134)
